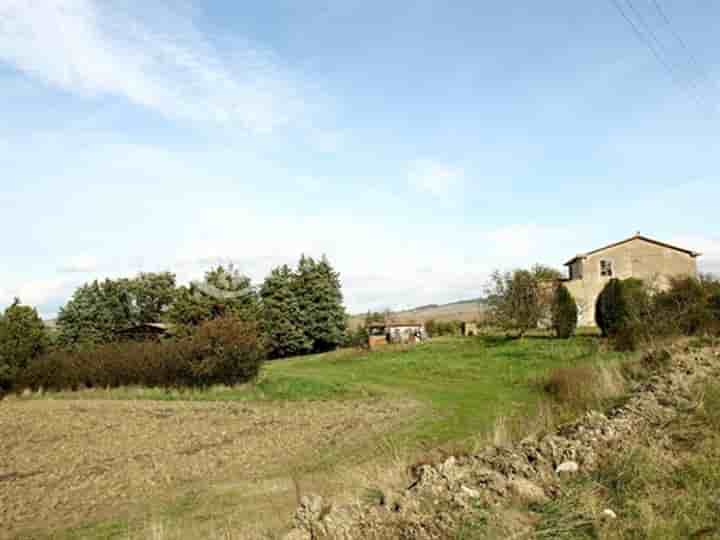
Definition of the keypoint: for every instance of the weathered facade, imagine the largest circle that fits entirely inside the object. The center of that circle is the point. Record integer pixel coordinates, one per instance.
(636, 257)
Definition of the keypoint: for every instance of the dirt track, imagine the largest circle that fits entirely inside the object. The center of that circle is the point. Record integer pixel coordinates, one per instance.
(63, 463)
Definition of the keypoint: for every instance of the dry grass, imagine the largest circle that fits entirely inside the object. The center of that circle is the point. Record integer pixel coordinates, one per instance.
(65, 463)
(665, 487)
(581, 387)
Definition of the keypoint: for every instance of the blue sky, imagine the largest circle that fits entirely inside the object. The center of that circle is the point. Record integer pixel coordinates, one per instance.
(419, 144)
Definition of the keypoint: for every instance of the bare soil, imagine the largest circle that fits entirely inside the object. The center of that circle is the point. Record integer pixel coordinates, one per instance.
(65, 463)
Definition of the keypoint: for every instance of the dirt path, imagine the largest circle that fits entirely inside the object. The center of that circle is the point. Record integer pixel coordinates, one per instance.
(63, 463)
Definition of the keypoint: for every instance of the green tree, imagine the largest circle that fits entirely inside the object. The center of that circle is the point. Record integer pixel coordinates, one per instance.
(281, 315)
(564, 312)
(224, 292)
(319, 293)
(96, 312)
(153, 293)
(611, 308)
(545, 273)
(515, 302)
(23, 337)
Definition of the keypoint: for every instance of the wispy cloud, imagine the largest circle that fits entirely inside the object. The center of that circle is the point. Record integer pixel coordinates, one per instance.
(90, 48)
(434, 177)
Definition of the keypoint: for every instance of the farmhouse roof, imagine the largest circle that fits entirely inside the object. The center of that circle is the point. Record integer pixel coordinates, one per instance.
(638, 236)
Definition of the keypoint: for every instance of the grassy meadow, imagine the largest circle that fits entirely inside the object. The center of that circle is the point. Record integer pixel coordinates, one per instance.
(466, 384)
(450, 395)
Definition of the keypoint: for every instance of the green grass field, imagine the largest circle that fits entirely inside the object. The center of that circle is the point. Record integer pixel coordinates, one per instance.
(466, 383)
(456, 389)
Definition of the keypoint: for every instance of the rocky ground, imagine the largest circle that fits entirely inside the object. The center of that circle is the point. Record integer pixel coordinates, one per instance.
(64, 463)
(444, 496)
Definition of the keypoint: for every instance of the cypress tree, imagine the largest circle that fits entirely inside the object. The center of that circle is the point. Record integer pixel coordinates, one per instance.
(281, 315)
(611, 310)
(22, 339)
(318, 291)
(564, 313)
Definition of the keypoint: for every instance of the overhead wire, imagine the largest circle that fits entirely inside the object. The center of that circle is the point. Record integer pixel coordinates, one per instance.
(647, 36)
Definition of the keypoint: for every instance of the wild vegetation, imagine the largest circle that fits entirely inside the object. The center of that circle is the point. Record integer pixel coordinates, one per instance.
(564, 313)
(435, 398)
(223, 329)
(520, 300)
(221, 351)
(447, 395)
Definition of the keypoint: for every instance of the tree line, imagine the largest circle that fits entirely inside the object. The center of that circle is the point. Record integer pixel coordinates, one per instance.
(628, 312)
(293, 311)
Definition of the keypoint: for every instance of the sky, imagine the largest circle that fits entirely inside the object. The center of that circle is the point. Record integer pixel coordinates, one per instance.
(420, 145)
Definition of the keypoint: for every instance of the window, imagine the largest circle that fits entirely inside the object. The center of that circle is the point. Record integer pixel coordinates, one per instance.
(606, 268)
(576, 270)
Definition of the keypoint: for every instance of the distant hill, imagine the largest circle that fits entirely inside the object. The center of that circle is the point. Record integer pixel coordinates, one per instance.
(462, 310)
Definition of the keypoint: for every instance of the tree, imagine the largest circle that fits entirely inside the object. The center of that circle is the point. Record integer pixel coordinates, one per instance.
(564, 312)
(96, 312)
(515, 301)
(318, 290)
(23, 338)
(281, 315)
(153, 293)
(611, 310)
(224, 292)
(545, 273)
(686, 303)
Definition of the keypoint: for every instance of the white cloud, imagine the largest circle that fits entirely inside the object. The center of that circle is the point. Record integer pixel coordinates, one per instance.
(79, 264)
(90, 48)
(39, 292)
(435, 178)
(381, 265)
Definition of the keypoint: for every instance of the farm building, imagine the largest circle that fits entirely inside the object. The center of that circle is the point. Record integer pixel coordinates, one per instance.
(470, 329)
(395, 332)
(636, 257)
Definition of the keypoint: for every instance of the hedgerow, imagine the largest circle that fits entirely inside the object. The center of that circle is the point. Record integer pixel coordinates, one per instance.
(222, 351)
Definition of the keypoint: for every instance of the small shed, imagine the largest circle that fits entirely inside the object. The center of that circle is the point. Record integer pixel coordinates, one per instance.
(470, 329)
(395, 332)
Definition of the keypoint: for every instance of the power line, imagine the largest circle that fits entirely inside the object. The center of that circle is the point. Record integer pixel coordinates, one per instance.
(650, 42)
(642, 37)
(682, 42)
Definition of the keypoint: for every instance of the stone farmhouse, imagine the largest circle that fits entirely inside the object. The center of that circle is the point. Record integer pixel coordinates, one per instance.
(636, 257)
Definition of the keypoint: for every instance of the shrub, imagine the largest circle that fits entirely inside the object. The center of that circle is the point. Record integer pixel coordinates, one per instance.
(225, 351)
(611, 310)
(431, 327)
(715, 307)
(564, 313)
(582, 387)
(626, 338)
(686, 305)
(358, 338)
(222, 351)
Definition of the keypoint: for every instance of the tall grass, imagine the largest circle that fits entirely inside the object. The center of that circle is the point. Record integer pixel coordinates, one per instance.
(663, 488)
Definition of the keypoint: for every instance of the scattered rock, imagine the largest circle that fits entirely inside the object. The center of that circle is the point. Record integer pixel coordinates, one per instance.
(527, 491)
(609, 514)
(440, 495)
(567, 467)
